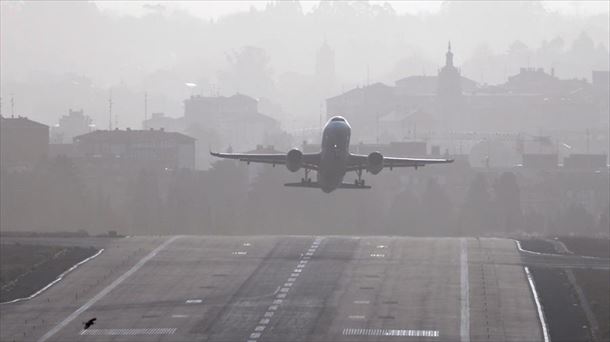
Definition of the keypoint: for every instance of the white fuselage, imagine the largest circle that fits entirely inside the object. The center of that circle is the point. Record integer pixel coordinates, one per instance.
(334, 154)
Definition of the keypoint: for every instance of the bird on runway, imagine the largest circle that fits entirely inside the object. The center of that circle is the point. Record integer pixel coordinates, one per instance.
(89, 323)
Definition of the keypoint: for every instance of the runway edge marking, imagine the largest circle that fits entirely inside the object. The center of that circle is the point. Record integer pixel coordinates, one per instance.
(530, 279)
(465, 293)
(106, 290)
(58, 279)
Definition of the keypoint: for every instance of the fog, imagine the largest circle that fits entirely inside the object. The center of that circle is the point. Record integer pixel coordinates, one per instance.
(515, 92)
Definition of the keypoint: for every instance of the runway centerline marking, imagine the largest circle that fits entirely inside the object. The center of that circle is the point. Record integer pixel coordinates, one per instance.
(465, 293)
(106, 290)
(301, 265)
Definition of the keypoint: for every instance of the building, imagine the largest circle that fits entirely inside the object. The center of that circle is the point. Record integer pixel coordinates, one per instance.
(71, 125)
(363, 107)
(160, 121)
(532, 102)
(325, 68)
(136, 149)
(23, 143)
(235, 120)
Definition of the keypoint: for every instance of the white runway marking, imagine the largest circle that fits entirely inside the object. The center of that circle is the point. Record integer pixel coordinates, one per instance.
(129, 332)
(358, 317)
(106, 290)
(390, 332)
(465, 293)
(193, 301)
(362, 302)
(179, 316)
(59, 278)
(377, 255)
(545, 333)
(240, 253)
(284, 291)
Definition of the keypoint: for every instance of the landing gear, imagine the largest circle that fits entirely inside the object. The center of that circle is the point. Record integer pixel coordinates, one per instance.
(359, 181)
(306, 179)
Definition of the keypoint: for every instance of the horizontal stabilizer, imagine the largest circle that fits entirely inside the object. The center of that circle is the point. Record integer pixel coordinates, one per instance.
(353, 186)
(304, 185)
(316, 185)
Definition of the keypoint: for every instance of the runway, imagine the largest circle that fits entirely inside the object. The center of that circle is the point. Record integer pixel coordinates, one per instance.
(287, 288)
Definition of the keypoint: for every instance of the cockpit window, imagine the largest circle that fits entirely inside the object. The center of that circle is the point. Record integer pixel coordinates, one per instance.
(338, 118)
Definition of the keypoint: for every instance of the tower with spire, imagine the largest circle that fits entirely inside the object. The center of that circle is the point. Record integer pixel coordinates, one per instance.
(449, 78)
(325, 67)
(449, 92)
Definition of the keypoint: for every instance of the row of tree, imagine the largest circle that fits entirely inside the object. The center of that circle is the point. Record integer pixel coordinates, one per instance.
(232, 199)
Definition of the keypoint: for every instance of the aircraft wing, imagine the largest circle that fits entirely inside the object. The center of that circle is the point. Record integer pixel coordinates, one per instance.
(310, 160)
(360, 161)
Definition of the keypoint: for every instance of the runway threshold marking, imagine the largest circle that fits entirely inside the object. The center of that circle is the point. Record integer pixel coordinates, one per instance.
(129, 332)
(390, 332)
(279, 297)
(465, 293)
(106, 290)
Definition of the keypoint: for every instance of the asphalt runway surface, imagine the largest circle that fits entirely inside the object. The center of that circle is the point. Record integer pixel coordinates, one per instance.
(289, 288)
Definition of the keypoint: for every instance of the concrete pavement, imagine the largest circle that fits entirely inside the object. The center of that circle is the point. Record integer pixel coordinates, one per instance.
(279, 288)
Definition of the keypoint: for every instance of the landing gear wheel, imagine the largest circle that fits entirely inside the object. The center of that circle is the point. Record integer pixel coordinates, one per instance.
(306, 179)
(362, 183)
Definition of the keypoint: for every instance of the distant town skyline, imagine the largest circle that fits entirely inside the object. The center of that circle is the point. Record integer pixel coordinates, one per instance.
(217, 9)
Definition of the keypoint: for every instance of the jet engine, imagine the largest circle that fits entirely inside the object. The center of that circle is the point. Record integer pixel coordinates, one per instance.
(374, 163)
(294, 160)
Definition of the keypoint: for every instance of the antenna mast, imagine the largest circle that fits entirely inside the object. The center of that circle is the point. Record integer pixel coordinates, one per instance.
(110, 111)
(145, 106)
(13, 105)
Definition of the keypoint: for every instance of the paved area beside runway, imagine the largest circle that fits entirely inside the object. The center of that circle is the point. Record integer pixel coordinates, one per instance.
(279, 288)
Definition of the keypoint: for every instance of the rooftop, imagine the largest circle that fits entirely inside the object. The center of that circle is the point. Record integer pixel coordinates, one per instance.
(129, 135)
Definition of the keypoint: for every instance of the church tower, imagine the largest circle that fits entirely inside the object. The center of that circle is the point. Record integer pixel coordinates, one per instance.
(449, 97)
(449, 78)
(325, 67)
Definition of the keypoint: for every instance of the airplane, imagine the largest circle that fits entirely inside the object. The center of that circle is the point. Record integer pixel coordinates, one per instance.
(333, 161)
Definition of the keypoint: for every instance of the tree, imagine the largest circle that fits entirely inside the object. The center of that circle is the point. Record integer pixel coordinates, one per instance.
(508, 202)
(436, 211)
(403, 217)
(476, 216)
(249, 72)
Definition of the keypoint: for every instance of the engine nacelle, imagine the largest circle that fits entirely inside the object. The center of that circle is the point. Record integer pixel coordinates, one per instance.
(294, 160)
(375, 163)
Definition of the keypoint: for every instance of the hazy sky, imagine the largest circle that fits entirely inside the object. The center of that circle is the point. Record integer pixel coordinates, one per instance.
(215, 9)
